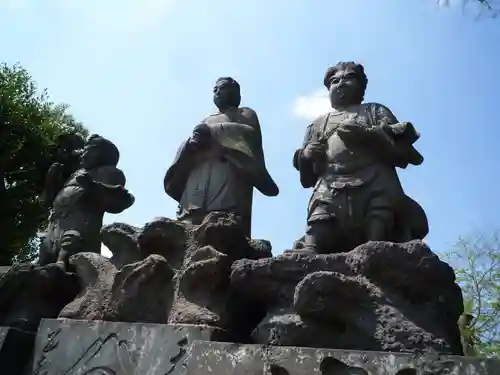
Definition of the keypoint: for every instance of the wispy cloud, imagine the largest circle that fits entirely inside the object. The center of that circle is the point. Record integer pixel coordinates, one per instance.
(310, 106)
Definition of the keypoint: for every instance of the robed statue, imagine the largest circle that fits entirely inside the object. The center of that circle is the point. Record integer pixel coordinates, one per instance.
(349, 157)
(217, 168)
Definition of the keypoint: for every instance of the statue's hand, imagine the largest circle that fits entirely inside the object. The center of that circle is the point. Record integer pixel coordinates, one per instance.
(85, 180)
(201, 136)
(54, 173)
(351, 127)
(314, 151)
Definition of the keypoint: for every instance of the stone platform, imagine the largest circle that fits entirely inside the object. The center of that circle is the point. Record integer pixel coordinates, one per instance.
(232, 359)
(72, 347)
(75, 347)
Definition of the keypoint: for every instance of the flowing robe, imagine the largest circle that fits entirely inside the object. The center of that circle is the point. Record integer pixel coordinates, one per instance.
(222, 176)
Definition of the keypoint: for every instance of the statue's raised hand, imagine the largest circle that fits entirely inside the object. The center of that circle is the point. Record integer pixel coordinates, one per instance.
(200, 138)
(85, 180)
(314, 151)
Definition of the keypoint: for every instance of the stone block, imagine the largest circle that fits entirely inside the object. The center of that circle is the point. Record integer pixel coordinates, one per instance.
(16, 348)
(76, 347)
(3, 335)
(209, 358)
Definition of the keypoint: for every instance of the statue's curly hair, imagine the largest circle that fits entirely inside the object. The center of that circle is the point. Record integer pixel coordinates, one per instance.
(230, 80)
(110, 153)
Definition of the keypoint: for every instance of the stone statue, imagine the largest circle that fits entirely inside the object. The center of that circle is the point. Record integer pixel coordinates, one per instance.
(349, 156)
(67, 162)
(217, 168)
(98, 186)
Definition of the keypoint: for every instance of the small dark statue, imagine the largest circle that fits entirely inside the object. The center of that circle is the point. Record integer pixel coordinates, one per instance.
(349, 156)
(80, 200)
(217, 168)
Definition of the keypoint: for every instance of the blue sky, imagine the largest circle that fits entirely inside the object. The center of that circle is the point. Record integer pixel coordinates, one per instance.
(140, 72)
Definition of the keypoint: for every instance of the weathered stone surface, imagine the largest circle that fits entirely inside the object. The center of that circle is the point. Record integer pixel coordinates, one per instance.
(121, 240)
(201, 289)
(96, 274)
(139, 292)
(78, 347)
(15, 351)
(183, 280)
(203, 294)
(164, 237)
(29, 293)
(206, 358)
(379, 296)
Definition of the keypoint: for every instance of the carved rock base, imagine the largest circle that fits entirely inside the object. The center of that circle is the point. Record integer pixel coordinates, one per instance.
(29, 293)
(208, 358)
(380, 296)
(79, 347)
(138, 292)
(93, 348)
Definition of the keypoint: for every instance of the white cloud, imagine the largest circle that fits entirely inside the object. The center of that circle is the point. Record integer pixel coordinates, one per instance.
(310, 106)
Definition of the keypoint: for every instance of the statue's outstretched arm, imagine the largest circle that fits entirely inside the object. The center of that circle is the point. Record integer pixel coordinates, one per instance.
(304, 165)
(113, 197)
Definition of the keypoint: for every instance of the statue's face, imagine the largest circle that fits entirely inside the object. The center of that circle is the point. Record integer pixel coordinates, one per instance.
(345, 88)
(226, 95)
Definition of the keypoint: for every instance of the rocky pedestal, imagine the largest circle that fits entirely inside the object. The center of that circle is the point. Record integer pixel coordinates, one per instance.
(207, 358)
(169, 285)
(179, 274)
(73, 347)
(96, 348)
(203, 293)
(379, 296)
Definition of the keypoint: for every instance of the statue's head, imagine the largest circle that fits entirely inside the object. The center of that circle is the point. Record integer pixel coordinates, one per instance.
(346, 83)
(227, 93)
(68, 146)
(99, 152)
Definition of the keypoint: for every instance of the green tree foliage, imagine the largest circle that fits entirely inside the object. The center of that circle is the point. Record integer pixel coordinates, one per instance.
(477, 266)
(29, 126)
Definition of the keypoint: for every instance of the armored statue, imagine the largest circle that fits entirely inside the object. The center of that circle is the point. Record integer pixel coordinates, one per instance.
(349, 156)
(80, 200)
(217, 168)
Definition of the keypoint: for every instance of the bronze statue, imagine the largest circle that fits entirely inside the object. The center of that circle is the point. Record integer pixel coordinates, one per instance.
(217, 168)
(349, 156)
(80, 201)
